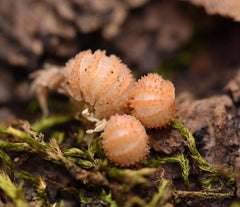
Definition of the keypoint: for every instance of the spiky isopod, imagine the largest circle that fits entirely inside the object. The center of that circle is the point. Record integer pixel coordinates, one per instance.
(153, 101)
(125, 140)
(103, 82)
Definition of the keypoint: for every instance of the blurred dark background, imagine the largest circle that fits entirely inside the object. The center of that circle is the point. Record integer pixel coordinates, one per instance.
(180, 41)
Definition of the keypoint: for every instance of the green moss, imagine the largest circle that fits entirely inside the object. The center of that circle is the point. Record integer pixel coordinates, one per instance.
(89, 165)
(15, 193)
(162, 194)
(181, 159)
(48, 122)
(202, 164)
(107, 198)
(7, 162)
(40, 187)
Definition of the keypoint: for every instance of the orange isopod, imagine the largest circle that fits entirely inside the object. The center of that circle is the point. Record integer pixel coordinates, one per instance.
(153, 101)
(103, 82)
(125, 140)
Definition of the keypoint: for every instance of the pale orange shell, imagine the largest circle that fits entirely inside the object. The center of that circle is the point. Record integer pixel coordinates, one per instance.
(153, 101)
(125, 140)
(102, 81)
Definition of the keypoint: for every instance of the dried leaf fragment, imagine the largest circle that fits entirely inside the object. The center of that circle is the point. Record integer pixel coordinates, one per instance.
(229, 8)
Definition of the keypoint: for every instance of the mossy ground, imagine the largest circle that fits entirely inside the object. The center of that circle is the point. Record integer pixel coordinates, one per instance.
(94, 180)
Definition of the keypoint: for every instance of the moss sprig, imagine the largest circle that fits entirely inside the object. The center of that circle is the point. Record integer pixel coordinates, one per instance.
(51, 151)
(7, 162)
(181, 159)
(203, 164)
(202, 194)
(159, 199)
(131, 177)
(59, 136)
(78, 153)
(135, 201)
(107, 197)
(82, 197)
(13, 192)
(40, 187)
(16, 147)
(162, 196)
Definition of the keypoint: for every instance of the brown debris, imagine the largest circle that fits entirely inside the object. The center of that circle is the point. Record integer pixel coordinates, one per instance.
(237, 170)
(210, 64)
(158, 31)
(6, 116)
(97, 13)
(135, 3)
(228, 8)
(50, 25)
(31, 23)
(212, 122)
(233, 87)
(167, 141)
(6, 86)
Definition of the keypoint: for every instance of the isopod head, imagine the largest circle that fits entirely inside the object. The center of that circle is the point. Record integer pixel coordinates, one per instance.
(153, 101)
(125, 141)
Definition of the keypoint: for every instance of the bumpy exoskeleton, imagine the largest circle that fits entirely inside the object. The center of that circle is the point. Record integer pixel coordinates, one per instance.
(95, 81)
(153, 101)
(103, 82)
(125, 141)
